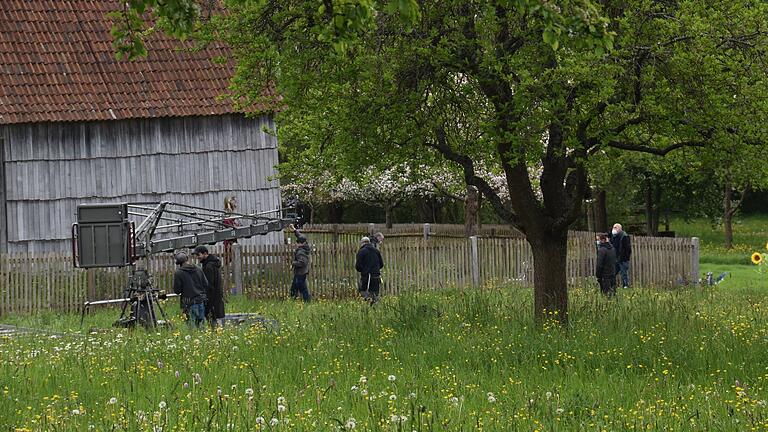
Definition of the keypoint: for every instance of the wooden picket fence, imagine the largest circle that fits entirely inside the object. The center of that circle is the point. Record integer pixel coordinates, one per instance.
(35, 282)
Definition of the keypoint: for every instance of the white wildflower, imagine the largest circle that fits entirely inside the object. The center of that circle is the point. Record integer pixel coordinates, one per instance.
(391, 378)
(351, 423)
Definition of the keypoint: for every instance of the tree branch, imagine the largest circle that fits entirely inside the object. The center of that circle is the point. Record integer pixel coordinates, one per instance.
(652, 150)
(441, 145)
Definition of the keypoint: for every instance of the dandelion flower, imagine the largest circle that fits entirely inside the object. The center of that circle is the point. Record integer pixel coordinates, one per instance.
(559, 411)
(548, 395)
(281, 400)
(351, 423)
(392, 397)
(281, 408)
(259, 420)
(75, 411)
(113, 401)
(274, 422)
(395, 418)
(392, 378)
(491, 398)
(364, 392)
(757, 258)
(249, 392)
(162, 405)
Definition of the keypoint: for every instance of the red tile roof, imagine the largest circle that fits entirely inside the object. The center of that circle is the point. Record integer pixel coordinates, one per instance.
(57, 63)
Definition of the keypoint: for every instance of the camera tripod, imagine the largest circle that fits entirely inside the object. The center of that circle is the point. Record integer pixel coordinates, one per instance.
(140, 303)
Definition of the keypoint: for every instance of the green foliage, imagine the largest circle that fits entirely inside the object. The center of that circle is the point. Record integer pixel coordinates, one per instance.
(676, 360)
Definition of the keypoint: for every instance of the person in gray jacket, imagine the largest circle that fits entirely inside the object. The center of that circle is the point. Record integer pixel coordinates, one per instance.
(301, 264)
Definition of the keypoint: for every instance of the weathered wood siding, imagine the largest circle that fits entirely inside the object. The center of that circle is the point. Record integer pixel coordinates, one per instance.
(50, 168)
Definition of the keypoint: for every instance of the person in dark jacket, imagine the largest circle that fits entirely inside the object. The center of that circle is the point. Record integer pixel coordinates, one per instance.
(605, 270)
(214, 308)
(377, 239)
(190, 283)
(301, 264)
(369, 264)
(623, 246)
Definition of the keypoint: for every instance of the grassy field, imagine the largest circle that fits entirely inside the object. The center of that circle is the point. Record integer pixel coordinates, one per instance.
(688, 359)
(650, 360)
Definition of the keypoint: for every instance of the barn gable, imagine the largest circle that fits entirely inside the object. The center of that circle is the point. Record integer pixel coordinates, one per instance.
(79, 126)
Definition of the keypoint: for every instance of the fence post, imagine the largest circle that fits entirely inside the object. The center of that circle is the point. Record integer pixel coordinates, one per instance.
(426, 231)
(475, 262)
(695, 260)
(237, 269)
(371, 229)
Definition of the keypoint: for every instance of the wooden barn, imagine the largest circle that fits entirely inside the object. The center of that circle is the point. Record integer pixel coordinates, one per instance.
(78, 126)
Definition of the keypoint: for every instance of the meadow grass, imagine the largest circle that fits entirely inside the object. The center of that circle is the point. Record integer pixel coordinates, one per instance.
(689, 359)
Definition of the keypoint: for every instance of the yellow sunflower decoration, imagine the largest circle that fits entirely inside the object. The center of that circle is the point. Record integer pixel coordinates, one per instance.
(757, 258)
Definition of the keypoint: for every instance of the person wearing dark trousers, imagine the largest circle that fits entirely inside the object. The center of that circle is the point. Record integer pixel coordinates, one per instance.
(190, 283)
(623, 245)
(214, 308)
(605, 270)
(301, 264)
(369, 264)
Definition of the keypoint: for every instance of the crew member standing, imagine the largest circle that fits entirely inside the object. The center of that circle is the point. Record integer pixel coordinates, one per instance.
(623, 245)
(605, 270)
(369, 264)
(190, 282)
(214, 309)
(301, 264)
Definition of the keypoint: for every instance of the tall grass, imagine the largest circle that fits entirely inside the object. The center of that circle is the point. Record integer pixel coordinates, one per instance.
(457, 360)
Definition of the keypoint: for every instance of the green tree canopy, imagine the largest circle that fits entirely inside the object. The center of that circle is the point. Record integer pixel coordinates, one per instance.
(517, 84)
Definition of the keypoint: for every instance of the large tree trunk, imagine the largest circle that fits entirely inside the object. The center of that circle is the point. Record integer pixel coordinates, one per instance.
(388, 216)
(600, 211)
(471, 208)
(550, 285)
(336, 212)
(728, 212)
(652, 197)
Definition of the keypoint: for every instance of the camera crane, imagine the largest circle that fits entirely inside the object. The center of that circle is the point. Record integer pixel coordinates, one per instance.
(106, 235)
